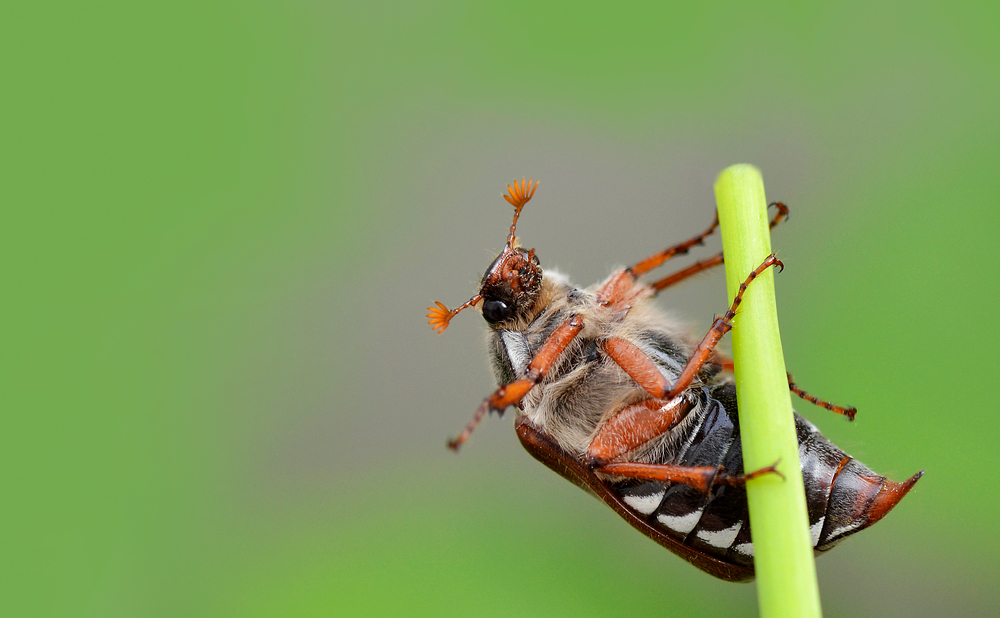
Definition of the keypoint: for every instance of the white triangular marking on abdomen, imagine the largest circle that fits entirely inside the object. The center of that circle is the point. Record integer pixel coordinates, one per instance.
(682, 524)
(815, 530)
(644, 504)
(720, 538)
(744, 548)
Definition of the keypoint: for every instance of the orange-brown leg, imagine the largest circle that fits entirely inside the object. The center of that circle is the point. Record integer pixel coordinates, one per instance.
(660, 257)
(781, 216)
(636, 364)
(701, 478)
(850, 411)
(620, 290)
(720, 327)
(713, 261)
(511, 394)
(684, 273)
(636, 424)
(723, 361)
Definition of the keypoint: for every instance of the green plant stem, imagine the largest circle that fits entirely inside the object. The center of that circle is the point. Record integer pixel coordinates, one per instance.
(783, 555)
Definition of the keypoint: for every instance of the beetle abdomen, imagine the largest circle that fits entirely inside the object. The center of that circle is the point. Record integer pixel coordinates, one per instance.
(842, 495)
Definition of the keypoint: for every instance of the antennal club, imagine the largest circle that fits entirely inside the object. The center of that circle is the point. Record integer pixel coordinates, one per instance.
(518, 197)
(439, 316)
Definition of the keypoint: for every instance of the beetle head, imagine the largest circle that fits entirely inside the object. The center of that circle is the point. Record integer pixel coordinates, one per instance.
(513, 281)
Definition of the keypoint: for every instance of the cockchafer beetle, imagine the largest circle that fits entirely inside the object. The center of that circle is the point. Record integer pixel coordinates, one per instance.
(618, 399)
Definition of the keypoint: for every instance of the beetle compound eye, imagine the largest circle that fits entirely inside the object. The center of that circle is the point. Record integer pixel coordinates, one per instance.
(495, 310)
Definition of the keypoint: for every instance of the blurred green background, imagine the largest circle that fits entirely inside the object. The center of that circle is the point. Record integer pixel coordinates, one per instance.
(222, 223)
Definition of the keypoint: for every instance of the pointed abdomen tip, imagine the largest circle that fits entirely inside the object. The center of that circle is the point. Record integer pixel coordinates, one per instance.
(889, 497)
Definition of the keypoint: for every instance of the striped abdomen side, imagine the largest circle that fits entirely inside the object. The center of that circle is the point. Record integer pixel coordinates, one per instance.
(842, 495)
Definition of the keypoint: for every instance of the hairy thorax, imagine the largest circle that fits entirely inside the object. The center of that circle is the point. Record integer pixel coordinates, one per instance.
(585, 385)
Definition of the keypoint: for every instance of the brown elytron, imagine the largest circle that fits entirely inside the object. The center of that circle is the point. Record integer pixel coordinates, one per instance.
(618, 399)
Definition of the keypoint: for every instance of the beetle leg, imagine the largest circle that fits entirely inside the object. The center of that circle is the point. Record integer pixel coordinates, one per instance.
(701, 478)
(684, 273)
(715, 260)
(640, 367)
(620, 290)
(849, 411)
(720, 327)
(512, 393)
(723, 361)
(635, 424)
(660, 257)
(781, 216)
